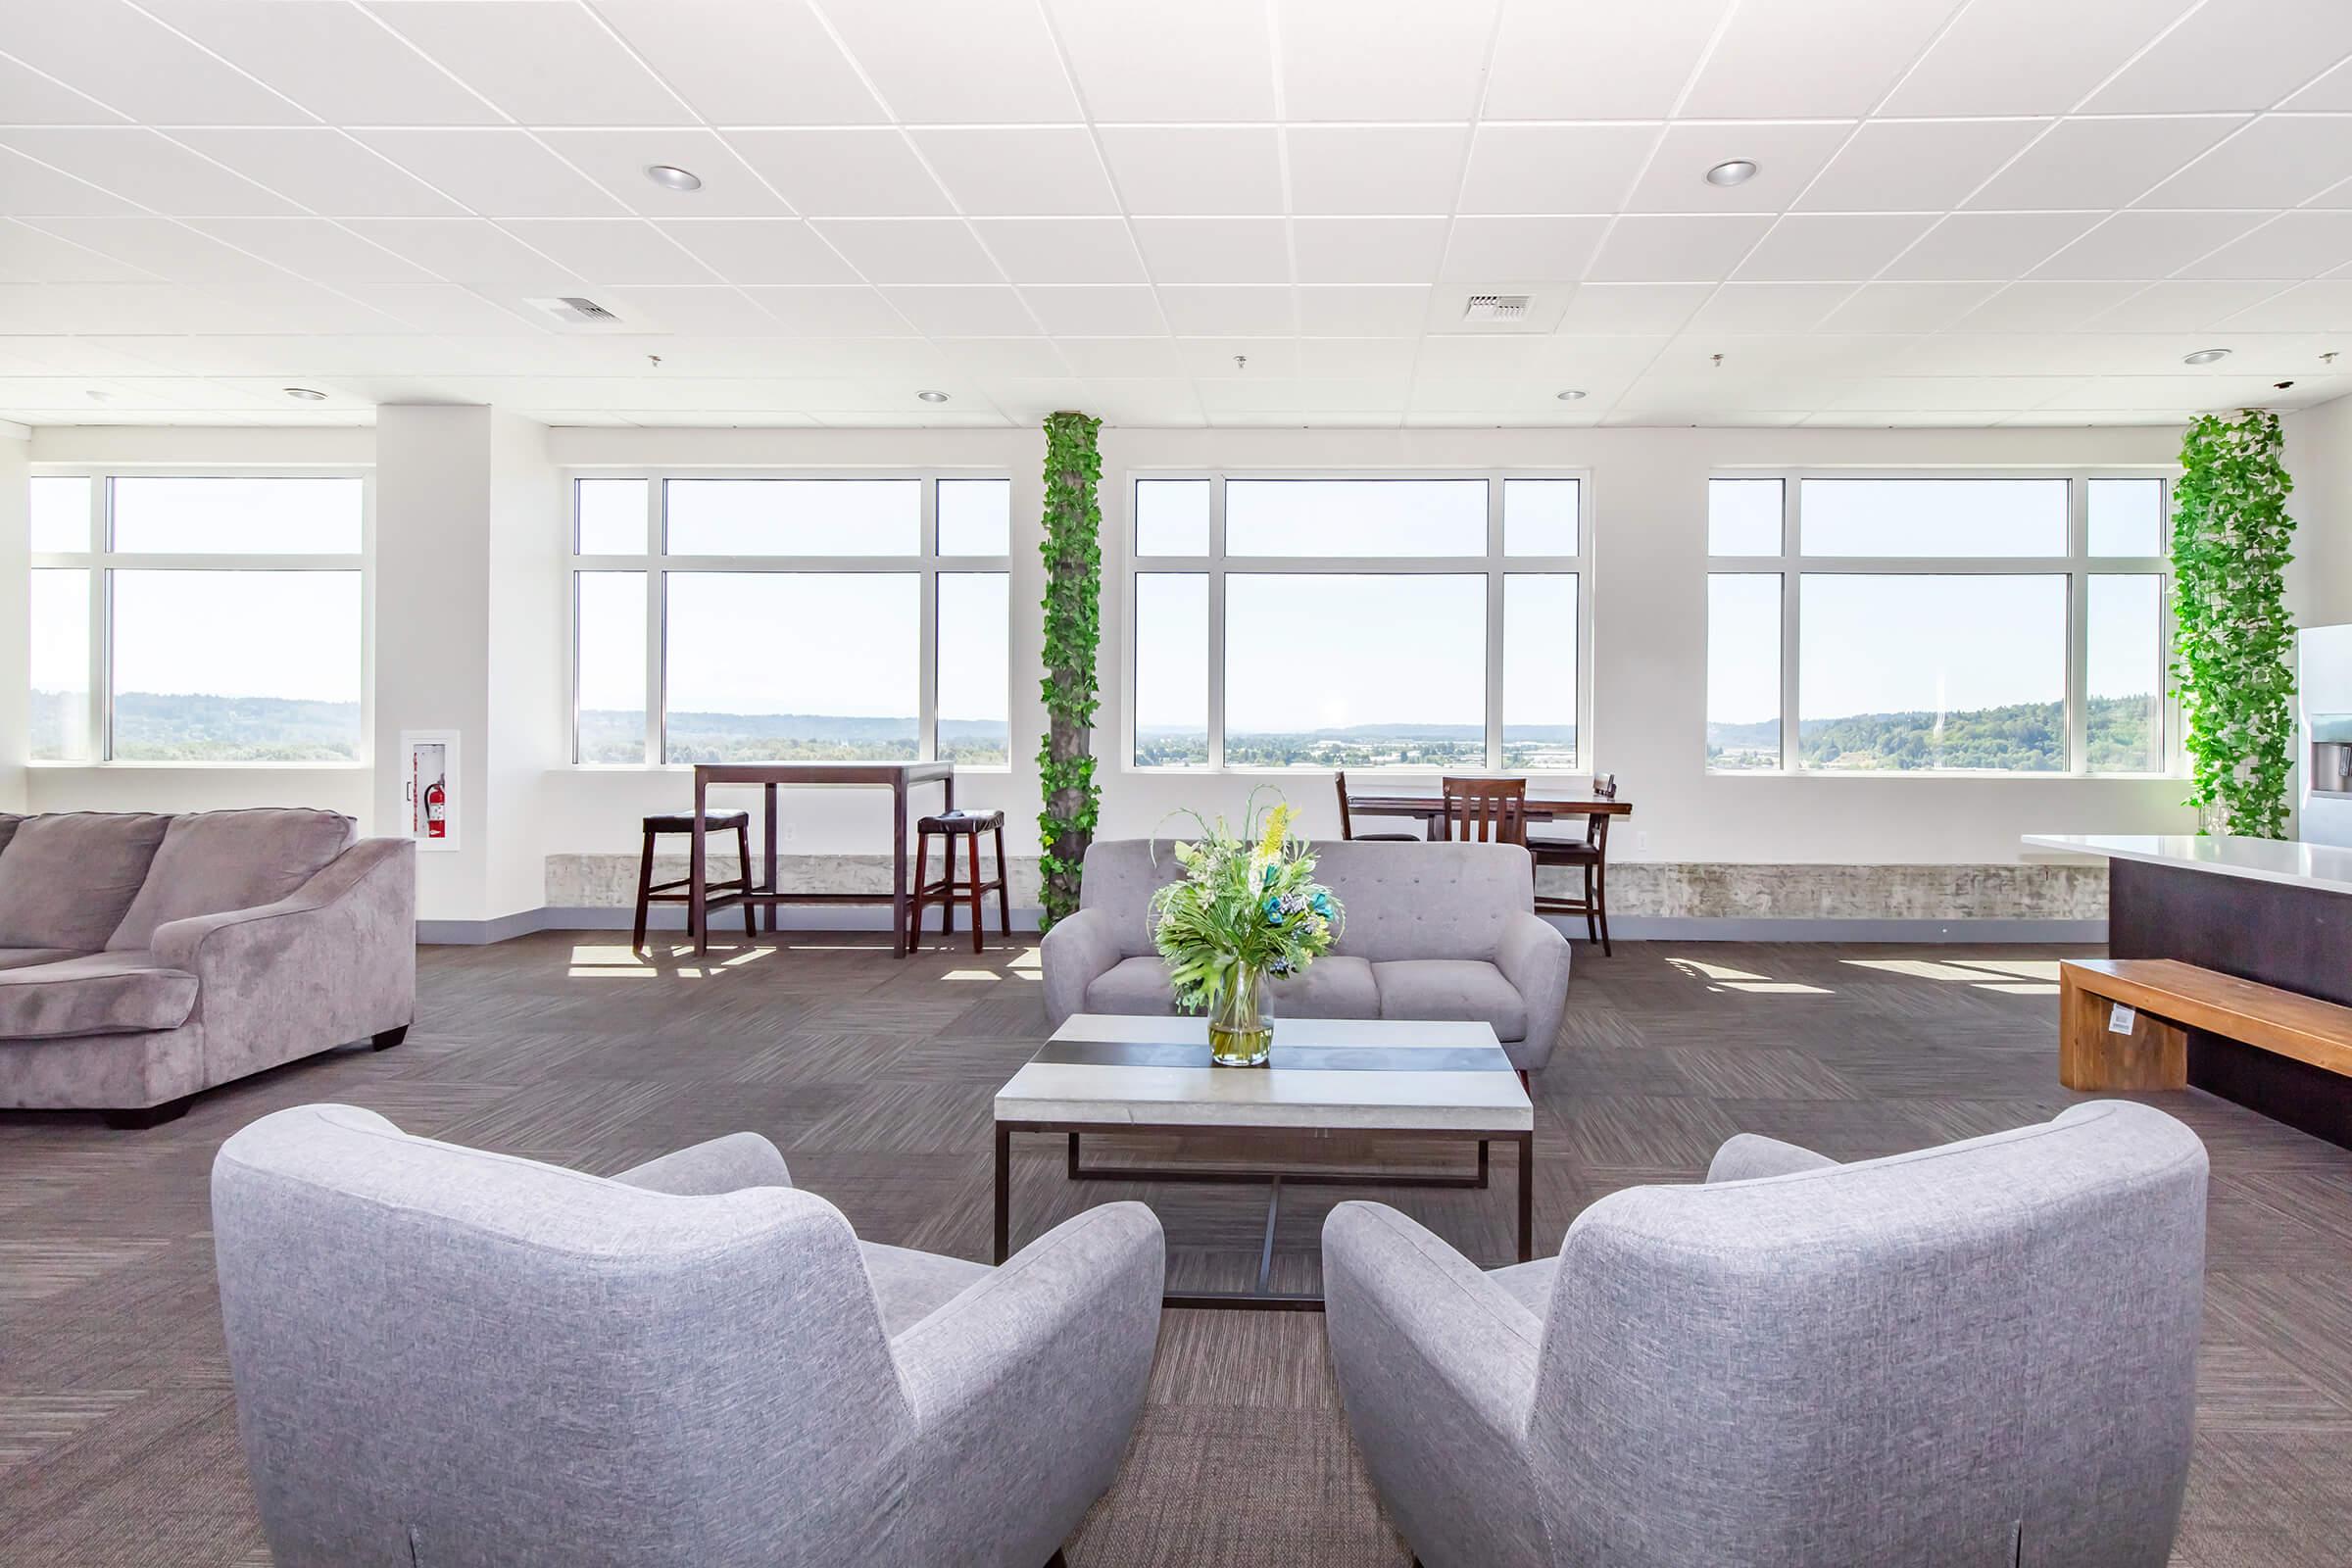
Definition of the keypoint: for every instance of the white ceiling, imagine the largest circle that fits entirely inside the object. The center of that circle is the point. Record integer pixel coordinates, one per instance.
(1969, 211)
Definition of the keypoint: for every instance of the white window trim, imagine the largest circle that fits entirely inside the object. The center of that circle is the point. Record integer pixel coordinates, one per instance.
(102, 559)
(657, 562)
(1217, 565)
(2077, 564)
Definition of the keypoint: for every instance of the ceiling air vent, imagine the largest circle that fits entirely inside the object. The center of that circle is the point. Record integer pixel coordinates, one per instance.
(571, 310)
(1494, 308)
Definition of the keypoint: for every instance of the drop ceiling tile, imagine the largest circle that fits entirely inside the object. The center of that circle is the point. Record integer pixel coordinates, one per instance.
(761, 250)
(1928, 394)
(1768, 307)
(1214, 250)
(2001, 246)
(736, 64)
(611, 250)
(1810, 355)
(467, 250)
(1906, 307)
(1362, 311)
(1254, 312)
(1185, 170)
(2275, 161)
(123, 57)
(1368, 250)
(1224, 399)
(1136, 60)
(1366, 59)
(313, 248)
(282, 305)
(1588, 361)
(2332, 92)
(911, 249)
(1828, 247)
(1770, 61)
(2325, 306)
(1327, 357)
(964, 309)
(442, 308)
(618, 159)
(136, 164)
(1229, 359)
(1063, 250)
(2167, 392)
(1916, 165)
(1146, 404)
(1029, 399)
(1662, 248)
(498, 172)
(832, 312)
(336, 61)
(1375, 168)
(1489, 248)
(160, 248)
(2293, 245)
(1555, 168)
(703, 310)
(1018, 170)
(1116, 310)
(545, 65)
(2230, 54)
(28, 98)
(844, 172)
(2146, 244)
(1638, 308)
(1564, 62)
(976, 62)
(2101, 163)
(1119, 357)
(1786, 157)
(31, 254)
(323, 170)
(1984, 63)
(2037, 305)
(2183, 305)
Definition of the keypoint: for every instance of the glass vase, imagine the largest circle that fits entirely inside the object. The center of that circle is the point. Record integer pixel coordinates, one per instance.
(1240, 1034)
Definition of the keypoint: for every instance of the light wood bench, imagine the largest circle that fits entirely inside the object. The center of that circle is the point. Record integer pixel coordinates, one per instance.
(2158, 1001)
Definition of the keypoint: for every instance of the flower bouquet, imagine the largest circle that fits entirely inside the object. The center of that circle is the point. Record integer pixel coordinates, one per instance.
(1247, 907)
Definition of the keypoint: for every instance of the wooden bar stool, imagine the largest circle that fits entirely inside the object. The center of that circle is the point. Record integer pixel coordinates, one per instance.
(950, 826)
(649, 892)
(1591, 855)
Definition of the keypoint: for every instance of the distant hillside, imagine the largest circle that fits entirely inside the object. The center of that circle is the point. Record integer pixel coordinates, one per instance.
(2021, 737)
(190, 727)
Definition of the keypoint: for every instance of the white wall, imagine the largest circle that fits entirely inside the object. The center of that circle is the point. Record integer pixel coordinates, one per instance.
(15, 598)
(2319, 453)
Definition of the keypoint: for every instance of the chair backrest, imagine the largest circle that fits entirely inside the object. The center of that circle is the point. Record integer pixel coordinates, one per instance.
(1983, 1353)
(1596, 826)
(449, 1356)
(1339, 779)
(1485, 810)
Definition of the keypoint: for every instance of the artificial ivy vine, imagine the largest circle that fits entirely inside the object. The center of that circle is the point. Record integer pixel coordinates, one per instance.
(1073, 552)
(2232, 652)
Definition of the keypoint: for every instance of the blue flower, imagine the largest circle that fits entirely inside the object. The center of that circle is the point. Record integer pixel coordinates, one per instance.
(1323, 903)
(1269, 881)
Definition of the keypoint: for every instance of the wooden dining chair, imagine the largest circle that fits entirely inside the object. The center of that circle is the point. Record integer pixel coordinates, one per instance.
(1591, 854)
(1486, 811)
(1347, 820)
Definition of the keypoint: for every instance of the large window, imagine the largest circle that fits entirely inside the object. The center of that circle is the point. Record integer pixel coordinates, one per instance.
(198, 617)
(750, 618)
(1426, 622)
(2009, 624)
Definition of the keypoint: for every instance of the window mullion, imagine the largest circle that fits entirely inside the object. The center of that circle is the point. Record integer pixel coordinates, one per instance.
(1494, 566)
(926, 678)
(98, 710)
(657, 620)
(1216, 623)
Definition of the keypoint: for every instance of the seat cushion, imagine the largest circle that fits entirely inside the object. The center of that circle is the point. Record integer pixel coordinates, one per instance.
(214, 861)
(1452, 991)
(19, 958)
(912, 1285)
(683, 822)
(65, 879)
(8, 827)
(1334, 986)
(1529, 1283)
(95, 994)
(1133, 987)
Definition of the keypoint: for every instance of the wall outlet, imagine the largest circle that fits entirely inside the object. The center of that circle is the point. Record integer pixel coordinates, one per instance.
(1640, 842)
(786, 832)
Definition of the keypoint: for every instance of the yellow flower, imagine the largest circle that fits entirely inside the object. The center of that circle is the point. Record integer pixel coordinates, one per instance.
(1278, 827)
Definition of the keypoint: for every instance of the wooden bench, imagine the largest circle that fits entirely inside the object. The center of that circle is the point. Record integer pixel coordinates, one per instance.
(2166, 999)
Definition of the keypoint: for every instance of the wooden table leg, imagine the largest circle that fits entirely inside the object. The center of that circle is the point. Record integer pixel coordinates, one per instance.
(2096, 1058)
(897, 867)
(767, 856)
(698, 914)
(1004, 1193)
(1527, 1199)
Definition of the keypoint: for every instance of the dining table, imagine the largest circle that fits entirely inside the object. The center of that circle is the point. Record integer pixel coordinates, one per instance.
(1430, 810)
(899, 778)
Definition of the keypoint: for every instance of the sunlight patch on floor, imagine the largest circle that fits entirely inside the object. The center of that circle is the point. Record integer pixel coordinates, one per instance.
(2016, 988)
(1726, 978)
(970, 974)
(1917, 968)
(2023, 968)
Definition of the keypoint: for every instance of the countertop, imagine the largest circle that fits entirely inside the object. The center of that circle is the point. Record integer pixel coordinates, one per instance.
(2291, 861)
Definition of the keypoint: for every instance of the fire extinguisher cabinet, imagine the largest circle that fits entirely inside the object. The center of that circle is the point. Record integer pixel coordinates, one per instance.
(429, 792)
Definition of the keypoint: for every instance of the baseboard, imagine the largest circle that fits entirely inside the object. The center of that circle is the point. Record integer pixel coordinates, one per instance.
(603, 917)
(1753, 928)
(478, 933)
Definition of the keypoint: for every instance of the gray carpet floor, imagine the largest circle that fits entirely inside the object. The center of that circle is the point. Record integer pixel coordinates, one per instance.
(117, 1443)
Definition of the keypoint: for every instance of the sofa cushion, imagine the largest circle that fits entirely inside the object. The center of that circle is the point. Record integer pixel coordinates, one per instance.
(19, 958)
(1452, 990)
(65, 879)
(95, 994)
(1132, 986)
(1529, 1283)
(912, 1285)
(8, 827)
(1334, 986)
(214, 861)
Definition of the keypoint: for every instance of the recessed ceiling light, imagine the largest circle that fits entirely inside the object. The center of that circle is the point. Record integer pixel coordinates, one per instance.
(2205, 357)
(932, 397)
(670, 177)
(307, 394)
(1569, 396)
(1739, 172)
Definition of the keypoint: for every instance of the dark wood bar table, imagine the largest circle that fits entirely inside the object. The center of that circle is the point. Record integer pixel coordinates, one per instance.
(1430, 810)
(897, 777)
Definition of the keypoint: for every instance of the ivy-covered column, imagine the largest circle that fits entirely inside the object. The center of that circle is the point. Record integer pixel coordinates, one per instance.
(1073, 551)
(2234, 642)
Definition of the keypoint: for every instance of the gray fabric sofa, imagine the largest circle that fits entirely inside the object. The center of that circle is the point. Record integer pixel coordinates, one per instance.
(461, 1358)
(1434, 931)
(1980, 1354)
(145, 957)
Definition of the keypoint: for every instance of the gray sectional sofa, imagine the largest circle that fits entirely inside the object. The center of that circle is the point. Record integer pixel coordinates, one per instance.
(1434, 931)
(145, 957)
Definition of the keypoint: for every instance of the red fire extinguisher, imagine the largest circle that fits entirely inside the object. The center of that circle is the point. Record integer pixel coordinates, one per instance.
(436, 809)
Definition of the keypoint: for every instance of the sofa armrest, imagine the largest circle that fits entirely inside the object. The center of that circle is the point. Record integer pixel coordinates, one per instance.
(707, 1170)
(1077, 952)
(1532, 956)
(332, 963)
(1746, 1157)
(1027, 1385)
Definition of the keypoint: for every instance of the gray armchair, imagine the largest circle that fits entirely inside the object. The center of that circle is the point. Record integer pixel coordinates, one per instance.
(448, 1357)
(1983, 1354)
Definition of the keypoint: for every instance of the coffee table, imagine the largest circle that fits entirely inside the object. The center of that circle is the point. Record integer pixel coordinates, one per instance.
(1327, 1076)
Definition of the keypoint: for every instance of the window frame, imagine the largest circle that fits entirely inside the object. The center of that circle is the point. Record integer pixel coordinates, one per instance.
(2075, 565)
(1492, 564)
(101, 560)
(657, 562)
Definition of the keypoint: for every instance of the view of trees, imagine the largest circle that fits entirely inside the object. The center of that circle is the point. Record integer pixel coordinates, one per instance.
(1459, 746)
(2019, 738)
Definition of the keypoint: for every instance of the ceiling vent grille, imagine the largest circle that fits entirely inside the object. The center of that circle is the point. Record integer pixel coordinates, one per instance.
(1494, 308)
(571, 310)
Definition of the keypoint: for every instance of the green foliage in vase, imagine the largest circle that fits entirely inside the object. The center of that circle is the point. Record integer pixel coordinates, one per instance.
(2231, 654)
(1247, 903)
(1073, 551)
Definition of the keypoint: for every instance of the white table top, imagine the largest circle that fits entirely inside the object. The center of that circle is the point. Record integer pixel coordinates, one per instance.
(2289, 861)
(1326, 1074)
